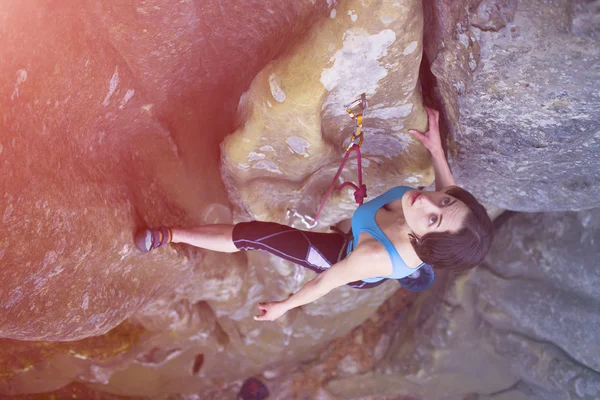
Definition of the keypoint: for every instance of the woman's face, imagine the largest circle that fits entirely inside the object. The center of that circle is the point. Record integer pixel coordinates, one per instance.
(427, 212)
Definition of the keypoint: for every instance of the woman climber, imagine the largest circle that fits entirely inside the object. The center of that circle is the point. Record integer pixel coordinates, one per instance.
(398, 235)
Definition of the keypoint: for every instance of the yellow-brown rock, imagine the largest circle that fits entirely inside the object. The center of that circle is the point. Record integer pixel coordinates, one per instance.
(293, 121)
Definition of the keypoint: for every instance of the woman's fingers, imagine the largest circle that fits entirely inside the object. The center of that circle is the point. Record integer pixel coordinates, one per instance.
(270, 311)
(433, 112)
(430, 115)
(263, 314)
(418, 135)
(433, 116)
(263, 317)
(264, 308)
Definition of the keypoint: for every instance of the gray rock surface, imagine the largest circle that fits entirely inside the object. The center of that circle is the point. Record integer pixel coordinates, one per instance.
(529, 134)
(522, 326)
(586, 18)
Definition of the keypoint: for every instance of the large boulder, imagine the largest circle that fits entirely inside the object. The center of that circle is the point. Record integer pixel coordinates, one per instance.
(112, 120)
(293, 121)
(519, 83)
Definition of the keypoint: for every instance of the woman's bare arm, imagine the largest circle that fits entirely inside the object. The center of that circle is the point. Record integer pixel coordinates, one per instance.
(360, 264)
(443, 175)
(433, 142)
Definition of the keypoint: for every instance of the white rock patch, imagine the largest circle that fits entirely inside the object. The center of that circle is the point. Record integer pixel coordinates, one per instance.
(358, 57)
(412, 46)
(276, 90)
(112, 86)
(399, 111)
(297, 145)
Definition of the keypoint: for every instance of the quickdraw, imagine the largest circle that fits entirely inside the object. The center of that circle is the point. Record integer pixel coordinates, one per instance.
(356, 110)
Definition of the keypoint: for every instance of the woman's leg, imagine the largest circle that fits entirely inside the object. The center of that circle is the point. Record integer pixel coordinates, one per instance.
(314, 250)
(216, 237)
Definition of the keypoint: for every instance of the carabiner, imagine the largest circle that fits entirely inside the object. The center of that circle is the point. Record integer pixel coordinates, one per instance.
(358, 107)
(358, 135)
(353, 142)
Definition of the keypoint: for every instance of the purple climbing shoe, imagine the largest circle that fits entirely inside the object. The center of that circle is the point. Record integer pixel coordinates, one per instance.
(150, 239)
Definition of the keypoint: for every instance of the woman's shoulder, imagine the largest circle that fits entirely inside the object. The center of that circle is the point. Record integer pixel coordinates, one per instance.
(396, 192)
(376, 251)
(373, 255)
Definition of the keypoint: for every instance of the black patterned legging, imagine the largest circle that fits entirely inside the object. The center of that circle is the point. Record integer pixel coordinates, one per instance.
(313, 250)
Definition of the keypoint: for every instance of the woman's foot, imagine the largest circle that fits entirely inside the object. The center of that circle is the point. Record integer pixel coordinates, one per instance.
(150, 239)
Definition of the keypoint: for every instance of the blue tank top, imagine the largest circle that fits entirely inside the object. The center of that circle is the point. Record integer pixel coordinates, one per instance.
(363, 220)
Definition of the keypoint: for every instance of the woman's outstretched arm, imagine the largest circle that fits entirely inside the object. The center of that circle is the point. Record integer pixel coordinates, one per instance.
(432, 141)
(360, 264)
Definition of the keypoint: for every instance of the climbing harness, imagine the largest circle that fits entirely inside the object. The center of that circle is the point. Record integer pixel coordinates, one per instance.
(356, 110)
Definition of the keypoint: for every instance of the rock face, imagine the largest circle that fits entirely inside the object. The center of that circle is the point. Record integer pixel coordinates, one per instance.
(100, 136)
(521, 326)
(526, 137)
(113, 117)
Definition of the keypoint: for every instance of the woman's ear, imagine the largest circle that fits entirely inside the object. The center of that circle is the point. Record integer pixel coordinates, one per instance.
(414, 240)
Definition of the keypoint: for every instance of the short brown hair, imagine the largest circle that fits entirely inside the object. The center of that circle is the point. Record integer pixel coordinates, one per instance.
(464, 249)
